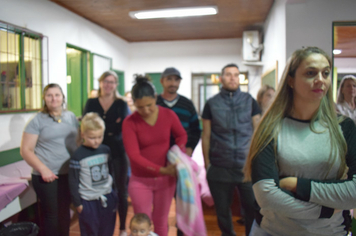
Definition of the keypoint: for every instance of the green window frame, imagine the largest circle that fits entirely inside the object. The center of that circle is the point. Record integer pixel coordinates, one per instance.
(23, 65)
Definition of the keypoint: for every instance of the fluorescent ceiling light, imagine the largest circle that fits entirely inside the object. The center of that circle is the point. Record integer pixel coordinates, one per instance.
(337, 51)
(174, 12)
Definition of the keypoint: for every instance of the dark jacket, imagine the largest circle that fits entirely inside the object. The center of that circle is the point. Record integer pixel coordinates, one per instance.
(231, 127)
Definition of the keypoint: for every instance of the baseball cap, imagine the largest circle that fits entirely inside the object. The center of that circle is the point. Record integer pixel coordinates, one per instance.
(171, 71)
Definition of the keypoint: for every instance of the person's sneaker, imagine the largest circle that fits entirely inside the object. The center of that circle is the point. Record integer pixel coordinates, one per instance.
(122, 233)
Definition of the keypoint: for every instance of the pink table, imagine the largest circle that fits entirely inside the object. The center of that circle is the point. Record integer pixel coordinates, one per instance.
(9, 192)
(13, 181)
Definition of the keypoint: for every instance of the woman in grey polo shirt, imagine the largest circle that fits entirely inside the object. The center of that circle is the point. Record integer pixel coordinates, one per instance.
(48, 141)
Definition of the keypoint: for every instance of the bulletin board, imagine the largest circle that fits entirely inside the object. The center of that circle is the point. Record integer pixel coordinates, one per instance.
(270, 77)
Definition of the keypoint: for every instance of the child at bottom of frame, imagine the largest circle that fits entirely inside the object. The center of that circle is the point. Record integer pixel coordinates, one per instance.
(140, 225)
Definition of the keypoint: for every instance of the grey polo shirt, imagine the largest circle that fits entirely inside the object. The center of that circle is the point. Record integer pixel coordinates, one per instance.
(56, 141)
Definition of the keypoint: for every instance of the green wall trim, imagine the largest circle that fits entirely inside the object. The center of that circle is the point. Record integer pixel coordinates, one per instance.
(76, 47)
(91, 77)
(121, 76)
(19, 111)
(10, 156)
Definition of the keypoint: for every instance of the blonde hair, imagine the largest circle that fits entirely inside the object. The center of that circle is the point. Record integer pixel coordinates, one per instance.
(103, 77)
(91, 122)
(261, 92)
(270, 125)
(340, 96)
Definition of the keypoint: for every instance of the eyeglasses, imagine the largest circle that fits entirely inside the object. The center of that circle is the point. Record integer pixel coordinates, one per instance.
(109, 82)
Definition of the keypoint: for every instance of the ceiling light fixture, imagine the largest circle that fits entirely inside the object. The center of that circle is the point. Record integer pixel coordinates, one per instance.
(336, 51)
(174, 12)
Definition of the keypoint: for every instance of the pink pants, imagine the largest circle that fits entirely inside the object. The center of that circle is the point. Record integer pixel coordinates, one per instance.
(157, 192)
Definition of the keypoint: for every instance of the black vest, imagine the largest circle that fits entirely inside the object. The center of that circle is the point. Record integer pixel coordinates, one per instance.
(231, 128)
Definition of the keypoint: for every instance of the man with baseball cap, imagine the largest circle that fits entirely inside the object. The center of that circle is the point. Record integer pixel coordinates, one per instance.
(181, 105)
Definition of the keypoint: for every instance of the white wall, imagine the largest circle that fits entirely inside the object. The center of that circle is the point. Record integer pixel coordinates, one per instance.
(345, 65)
(191, 56)
(310, 23)
(290, 25)
(275, 38)
(12, 127)
(60, 26)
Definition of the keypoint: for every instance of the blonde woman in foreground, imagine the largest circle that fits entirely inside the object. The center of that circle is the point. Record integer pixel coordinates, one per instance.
(302, 159)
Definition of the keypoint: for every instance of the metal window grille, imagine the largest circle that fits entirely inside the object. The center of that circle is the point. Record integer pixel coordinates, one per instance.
(23, 68)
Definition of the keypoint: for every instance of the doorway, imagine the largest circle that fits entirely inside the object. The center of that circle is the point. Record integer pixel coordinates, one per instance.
(206, 85)
(121, 77)
(344, 52)
(77, 78)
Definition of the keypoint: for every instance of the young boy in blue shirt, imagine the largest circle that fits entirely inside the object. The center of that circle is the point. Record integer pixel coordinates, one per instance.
(90, 182)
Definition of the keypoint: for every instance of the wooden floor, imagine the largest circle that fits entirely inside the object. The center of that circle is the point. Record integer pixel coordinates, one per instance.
(209, 216)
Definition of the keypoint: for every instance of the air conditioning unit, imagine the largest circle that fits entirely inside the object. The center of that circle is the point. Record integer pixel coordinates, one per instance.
(251, 46)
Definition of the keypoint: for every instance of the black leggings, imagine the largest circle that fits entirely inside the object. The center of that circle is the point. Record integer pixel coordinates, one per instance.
(54, 200)
(119, 173)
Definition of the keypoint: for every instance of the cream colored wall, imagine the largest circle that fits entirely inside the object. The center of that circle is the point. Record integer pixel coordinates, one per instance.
(190, 56)
(61, 27)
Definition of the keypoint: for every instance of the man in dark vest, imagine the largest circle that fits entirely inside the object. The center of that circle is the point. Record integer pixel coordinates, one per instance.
(229, 119)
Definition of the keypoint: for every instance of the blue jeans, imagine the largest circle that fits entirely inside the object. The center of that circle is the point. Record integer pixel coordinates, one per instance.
(256, 230)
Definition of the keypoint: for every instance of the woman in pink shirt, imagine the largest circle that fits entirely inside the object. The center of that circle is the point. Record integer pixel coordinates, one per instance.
(146, 136)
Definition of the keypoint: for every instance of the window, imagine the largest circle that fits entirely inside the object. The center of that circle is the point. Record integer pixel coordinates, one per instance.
(22, 68)
(102, 64)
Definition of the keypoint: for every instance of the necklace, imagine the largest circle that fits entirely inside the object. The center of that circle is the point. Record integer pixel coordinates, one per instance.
(57, 119)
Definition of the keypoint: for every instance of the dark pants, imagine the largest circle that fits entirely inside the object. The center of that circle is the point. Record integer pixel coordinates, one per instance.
(119, 173)
(222, 194)
(54, 200)
(96, 220)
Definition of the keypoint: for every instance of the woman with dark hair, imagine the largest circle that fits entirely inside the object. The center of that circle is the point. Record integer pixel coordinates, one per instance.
(146, 135)
(48, 141)
(113, 110)
(346, 97)
(302, 159)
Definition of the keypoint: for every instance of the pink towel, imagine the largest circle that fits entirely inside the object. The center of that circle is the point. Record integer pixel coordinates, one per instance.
(190, 218)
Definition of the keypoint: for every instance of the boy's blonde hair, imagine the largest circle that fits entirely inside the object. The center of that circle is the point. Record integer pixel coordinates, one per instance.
(141, 218)
(92, 121)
